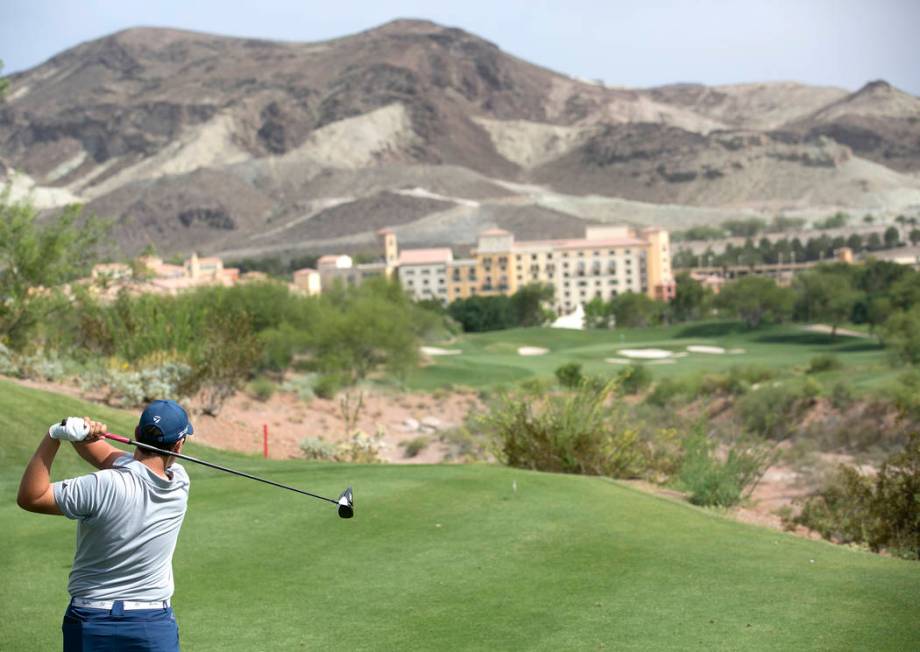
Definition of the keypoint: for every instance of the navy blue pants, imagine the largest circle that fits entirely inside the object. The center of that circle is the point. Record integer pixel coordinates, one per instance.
(117, 630)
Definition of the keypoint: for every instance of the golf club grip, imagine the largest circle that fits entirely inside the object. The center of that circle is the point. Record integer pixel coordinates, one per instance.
(189, 458)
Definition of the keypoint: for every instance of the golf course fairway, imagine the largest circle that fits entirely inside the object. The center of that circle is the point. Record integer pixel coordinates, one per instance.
(452, 557)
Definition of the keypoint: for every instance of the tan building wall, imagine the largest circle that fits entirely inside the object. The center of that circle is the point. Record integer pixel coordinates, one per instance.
(462, 279)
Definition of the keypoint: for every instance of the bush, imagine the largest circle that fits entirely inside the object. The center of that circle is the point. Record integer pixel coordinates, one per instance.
(328, 385)
(822, 363)
(262, 389)
(883, 513)
(906, 395)
(715, 482)
(572, 432)
(569, 374)
(316, 448)
(772, 412)
(127, 388)
(415, 446)
(634, 378)
(738, 380)
(668, 390)
(841, 395)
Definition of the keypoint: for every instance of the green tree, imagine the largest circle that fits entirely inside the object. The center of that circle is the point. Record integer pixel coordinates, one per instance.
(634, 310)
(371, 328)
(902, 335)
(35, 261)
(479, 314)
(690, 298)
(892, 237)
(914, 236)
(825, 296)
(598, 313)
(528, 304)
(755, 300)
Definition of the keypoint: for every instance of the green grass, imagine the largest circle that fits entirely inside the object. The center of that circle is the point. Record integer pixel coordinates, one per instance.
(490, 359)
(450, 558)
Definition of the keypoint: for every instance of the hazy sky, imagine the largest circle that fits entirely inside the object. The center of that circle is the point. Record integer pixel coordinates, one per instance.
(630, 43)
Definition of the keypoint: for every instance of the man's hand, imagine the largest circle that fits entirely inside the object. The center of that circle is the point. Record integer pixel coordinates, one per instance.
(77, 429)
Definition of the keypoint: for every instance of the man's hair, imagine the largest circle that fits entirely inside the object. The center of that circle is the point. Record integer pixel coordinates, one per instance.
(148, 435)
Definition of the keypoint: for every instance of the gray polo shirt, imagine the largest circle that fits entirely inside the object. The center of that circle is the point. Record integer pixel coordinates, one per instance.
(128, 522)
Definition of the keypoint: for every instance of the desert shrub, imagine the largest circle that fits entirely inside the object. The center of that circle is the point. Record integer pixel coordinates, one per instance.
(822, 363)
(881, 512)
(41, 366)
(126, 387)
(906, 395)
(328, 385)
(262, 388)
(569, 432)
(634, 378)
(738, 380)
(772, 411)
(415, 446)
(361, 448)
(8, 366)
(536, 386)
(716, 481)
(668, 390)
(841, 395)
(465, 444)
(569, 374)
(315, 448)
(302, 386)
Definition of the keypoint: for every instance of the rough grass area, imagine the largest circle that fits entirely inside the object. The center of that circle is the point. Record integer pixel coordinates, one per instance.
(453, 558)
(490, 359)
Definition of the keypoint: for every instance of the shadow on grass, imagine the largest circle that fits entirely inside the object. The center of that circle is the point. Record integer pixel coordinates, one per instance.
(713, 329)
(842, 344)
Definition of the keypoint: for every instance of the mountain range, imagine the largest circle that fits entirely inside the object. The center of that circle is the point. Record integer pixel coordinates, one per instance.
(243, 147)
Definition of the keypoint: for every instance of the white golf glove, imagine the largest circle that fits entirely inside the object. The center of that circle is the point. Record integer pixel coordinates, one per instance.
(70, 429)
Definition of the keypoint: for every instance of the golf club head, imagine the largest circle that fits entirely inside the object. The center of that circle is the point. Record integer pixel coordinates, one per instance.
(346, 507)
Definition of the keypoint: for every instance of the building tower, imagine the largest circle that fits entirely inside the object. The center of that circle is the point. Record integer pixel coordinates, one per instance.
(387, 239)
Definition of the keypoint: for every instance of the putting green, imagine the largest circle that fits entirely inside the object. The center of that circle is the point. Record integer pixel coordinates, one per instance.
(454, 558)
(490, 359)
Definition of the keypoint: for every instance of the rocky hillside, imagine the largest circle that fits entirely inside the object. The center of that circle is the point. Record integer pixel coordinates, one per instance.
(246, 147)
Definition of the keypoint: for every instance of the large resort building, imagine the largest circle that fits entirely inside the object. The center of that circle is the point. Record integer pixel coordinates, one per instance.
(608, 261)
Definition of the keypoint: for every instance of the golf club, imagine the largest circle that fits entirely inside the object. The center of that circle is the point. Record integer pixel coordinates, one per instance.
(345, 504)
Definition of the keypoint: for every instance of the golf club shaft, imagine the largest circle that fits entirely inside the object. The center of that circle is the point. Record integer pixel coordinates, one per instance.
(189, 458)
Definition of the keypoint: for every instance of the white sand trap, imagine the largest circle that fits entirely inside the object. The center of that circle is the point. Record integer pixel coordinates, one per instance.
(645, 354)
(433, 350)
(532, 350)
(665, 361)
(617, 361)
(717, 350)
(736, 351)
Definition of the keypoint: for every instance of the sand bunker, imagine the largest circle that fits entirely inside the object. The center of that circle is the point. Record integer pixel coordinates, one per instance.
(645, 354)
(433, 350)
(617, 361)
(532, 350)
(706, 349)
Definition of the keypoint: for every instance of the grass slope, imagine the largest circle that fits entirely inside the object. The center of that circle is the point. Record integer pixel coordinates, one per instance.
(492, 358)
(450, 557)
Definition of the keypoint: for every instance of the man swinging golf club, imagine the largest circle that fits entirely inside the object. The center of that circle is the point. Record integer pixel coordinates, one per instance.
(128, 518)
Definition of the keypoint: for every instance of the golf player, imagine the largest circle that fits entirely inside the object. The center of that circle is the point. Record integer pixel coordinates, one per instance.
(128, 517)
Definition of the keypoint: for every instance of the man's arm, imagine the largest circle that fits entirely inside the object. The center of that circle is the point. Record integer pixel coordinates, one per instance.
(35, 494)
(95, 450)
